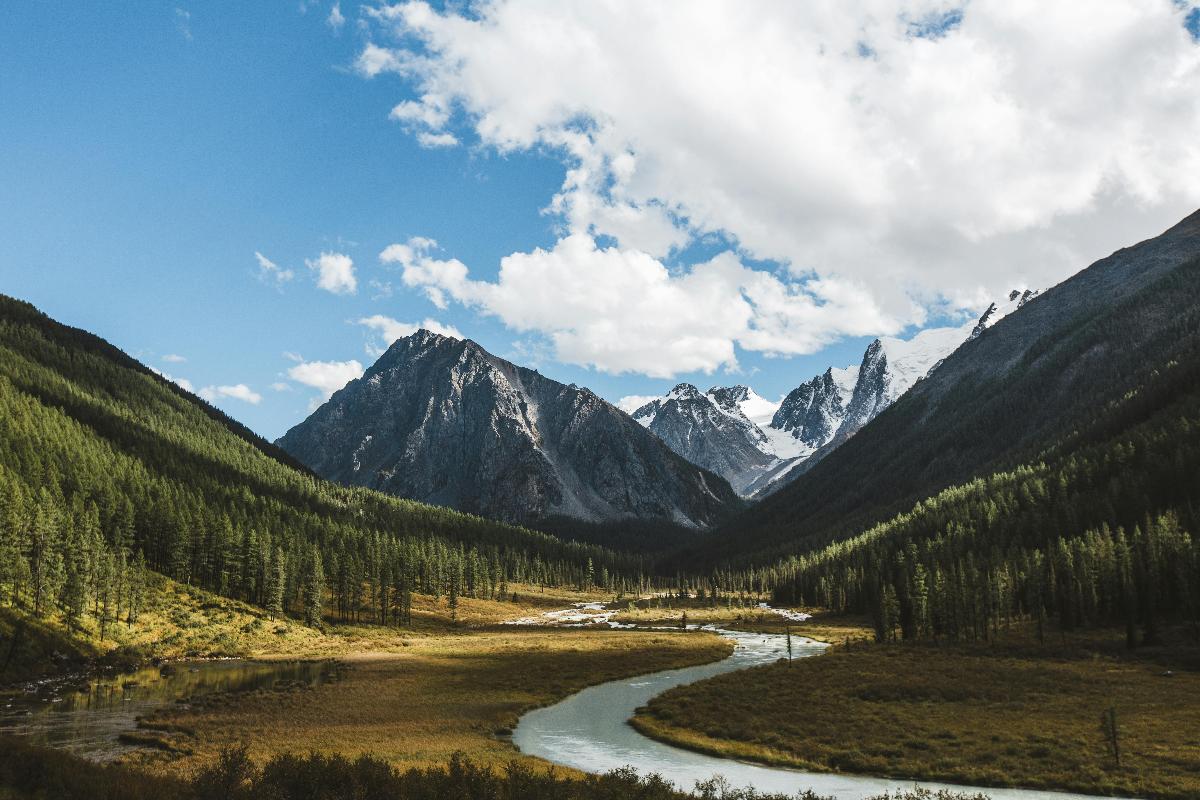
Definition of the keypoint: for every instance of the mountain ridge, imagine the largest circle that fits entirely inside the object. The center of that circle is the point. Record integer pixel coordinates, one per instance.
(1028, 378)
(443, 420)
(760, 446)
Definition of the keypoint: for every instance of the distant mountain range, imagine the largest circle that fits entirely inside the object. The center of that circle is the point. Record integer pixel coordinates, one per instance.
(443, 421)
(1039, 383)
(760, 446)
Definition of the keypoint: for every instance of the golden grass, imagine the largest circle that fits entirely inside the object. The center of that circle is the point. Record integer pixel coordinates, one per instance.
(179, 621)
(998, 717)
(439, 694)
(414, 696)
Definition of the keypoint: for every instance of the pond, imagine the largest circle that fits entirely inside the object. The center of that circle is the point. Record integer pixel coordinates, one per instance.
(87, 716)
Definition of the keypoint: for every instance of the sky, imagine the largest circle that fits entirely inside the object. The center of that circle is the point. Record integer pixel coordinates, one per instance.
(255, 199)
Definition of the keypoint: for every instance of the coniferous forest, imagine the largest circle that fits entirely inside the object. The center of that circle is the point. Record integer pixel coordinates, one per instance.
(1095, 529)
(109, 469)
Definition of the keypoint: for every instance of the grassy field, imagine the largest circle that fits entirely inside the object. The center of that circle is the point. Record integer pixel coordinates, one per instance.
(415, 696)
(441, 694)
(180, 621)
(1006, 715)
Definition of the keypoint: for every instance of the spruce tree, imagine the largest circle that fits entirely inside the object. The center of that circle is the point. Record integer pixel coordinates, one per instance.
(275, 583)
(314, 589)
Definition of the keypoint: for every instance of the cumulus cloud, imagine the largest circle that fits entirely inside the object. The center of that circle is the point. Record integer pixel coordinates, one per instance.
(389, 330)
(335, 19)
(335, 273)
(281, 386)
(325, 376)
(174, 358)
(632, 402)
(270, 272)
(621, 310)
(886, 152)
(239, 391)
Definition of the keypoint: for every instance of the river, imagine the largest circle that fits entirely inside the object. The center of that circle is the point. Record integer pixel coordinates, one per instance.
(590, 731)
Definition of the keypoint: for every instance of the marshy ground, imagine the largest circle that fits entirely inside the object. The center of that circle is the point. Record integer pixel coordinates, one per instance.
(1012, 713)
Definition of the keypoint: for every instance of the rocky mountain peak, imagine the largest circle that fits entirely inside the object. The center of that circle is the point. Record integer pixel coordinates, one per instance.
(443, 421)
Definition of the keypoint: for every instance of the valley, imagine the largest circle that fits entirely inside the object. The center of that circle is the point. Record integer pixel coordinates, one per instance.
(925, 601)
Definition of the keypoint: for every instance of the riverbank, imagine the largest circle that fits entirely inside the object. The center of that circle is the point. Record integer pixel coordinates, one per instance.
(1003, 715)
(752, 616)
(454, 681)
(442, 694)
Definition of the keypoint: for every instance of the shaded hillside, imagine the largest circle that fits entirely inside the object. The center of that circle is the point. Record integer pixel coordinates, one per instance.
(1030, 381)
(104, 464)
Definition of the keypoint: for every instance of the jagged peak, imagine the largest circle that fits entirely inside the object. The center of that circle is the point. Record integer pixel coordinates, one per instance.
(683, 391)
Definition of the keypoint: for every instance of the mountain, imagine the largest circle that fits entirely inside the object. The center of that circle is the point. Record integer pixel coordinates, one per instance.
(711, 430)
(104, 463)
(1031, 381)
(443, 421)
(760, 446)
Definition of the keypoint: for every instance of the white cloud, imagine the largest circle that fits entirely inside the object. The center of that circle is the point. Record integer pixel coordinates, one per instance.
(326, 376)
(434, 140)
(290, 356)
(389, 330)
(238, 391)
(182, 383)
(270, 272)
(632, 402)
(894, 150)
(335, 19)
(375, 60)
(280, 386)
(335, 273)
(174, 358)
(624, 311)
(183, 23)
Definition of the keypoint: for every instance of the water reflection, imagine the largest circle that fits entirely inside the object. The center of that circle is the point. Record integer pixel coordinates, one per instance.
(87, 717)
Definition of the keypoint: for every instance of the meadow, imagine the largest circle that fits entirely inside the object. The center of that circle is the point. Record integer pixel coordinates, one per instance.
(1014, 713)
(453, 682)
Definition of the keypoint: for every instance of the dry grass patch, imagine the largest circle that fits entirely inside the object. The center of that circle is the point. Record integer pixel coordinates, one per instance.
(968, 715)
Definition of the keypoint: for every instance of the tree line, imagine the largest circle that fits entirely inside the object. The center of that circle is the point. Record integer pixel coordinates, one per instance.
(107, 469)
(1098, 534)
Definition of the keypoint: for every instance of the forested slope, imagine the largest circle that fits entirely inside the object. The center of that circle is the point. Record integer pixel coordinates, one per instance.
(104, 464)
(1035, 381)
(1095, 534)
(1096, 530)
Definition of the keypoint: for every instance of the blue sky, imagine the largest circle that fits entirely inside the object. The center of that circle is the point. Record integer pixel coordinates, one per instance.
(148, 151)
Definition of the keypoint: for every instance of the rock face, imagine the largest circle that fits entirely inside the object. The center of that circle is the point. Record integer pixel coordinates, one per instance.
(813, 411)
(443, 421)
(711, 430)
(759, 446)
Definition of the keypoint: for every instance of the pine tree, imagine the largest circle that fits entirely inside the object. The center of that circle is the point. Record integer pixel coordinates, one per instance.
(275, 583)
(314, 589)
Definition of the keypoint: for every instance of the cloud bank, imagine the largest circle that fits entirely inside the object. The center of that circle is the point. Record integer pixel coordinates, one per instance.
(893, 157)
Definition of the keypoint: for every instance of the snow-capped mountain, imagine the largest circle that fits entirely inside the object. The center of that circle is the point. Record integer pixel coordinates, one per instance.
(713, 430)
(759, 445)
(443, 421)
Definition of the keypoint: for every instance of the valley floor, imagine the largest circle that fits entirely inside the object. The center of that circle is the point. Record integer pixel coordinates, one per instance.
(1008, 714)
(451, 683)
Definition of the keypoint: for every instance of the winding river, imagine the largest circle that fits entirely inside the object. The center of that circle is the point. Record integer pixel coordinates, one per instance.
(590, 731)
